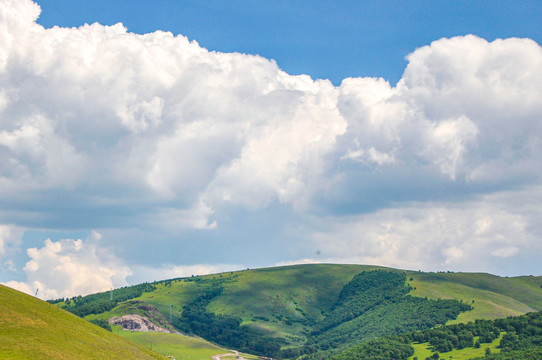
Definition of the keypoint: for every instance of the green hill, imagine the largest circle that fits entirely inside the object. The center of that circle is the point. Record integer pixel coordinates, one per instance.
(314, 309)
(34, 329)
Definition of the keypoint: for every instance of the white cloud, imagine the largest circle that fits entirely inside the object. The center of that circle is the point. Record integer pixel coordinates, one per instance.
(468, 236)
(71, 267)
(158, 116)
(505, 252)
(196, 217)
(372, 155)
(112, 114)
(102, 128)
(494, 88)
(447, 144)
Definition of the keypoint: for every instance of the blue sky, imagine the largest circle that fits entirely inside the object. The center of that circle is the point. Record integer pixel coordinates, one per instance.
(148, 140)
(324, 39)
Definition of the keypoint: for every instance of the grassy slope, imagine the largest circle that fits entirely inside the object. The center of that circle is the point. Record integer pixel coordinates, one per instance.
(494, 297)
(33, 329)
(277, 293)
(179, 346)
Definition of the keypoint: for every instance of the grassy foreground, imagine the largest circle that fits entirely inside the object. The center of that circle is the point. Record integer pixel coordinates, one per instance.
(33, 329)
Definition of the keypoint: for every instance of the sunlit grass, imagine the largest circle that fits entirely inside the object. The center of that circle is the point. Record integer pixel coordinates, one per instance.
(178, 346)
(486, 304)
(422, 351)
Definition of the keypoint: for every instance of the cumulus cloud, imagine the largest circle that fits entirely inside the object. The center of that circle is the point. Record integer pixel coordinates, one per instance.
(467, 236)
(99, 109)
(96, 109)
(102, 128)
(71, 267)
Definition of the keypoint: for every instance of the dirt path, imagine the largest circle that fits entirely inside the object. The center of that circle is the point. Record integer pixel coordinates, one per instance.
(220, 356)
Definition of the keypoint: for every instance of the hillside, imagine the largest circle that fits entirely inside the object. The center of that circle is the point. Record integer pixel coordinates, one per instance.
(315, 309)
(494, 296)
(34, 329)
(514, 338)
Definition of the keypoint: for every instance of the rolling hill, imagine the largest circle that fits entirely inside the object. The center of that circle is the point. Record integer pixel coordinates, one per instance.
(283, 311)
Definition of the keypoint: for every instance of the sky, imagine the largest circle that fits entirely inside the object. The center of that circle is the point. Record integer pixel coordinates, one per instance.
(142, 141)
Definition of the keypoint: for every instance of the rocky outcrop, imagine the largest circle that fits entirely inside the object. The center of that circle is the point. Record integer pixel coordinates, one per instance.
(135, 322)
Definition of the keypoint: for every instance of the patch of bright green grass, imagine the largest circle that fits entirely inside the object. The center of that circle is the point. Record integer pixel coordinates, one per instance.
(422, 351)
(33, 329)
(530, 292)
(179, 346)
(523, 288)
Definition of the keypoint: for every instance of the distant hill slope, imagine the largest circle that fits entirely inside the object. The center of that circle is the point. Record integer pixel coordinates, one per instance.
(494, 296)
(263, 310)
(34, 329)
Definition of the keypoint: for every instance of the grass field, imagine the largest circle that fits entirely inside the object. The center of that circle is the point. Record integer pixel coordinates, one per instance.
(33, 329)
(179, 346)
(422, 351)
